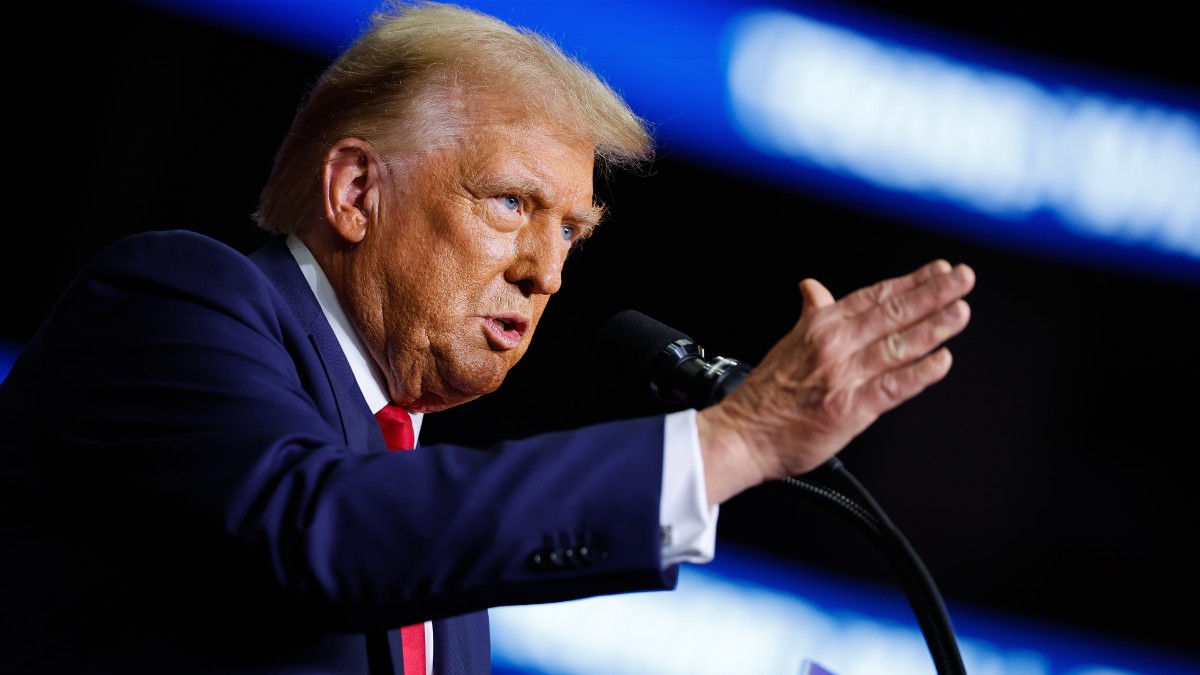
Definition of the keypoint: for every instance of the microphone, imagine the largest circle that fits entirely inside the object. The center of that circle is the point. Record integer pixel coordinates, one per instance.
(679, 371)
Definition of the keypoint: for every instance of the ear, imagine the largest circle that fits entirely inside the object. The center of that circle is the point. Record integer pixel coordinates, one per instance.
(349, 178)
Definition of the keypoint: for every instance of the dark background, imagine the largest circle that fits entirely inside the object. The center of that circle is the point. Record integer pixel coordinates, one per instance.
(1050, 475)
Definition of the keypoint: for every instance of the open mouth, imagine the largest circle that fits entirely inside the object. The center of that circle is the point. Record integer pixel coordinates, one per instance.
(505, 332)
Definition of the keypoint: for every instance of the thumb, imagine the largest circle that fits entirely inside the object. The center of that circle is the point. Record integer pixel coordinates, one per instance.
(815, 295)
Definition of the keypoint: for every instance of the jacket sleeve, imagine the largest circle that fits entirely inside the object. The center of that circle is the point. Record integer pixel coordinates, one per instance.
(204, 462)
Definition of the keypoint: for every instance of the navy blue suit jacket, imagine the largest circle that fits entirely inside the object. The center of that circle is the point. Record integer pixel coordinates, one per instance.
(192, 482)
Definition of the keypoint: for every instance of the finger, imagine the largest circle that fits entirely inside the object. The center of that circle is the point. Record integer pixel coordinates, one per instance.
(866, 299)
(919, 303)
(900, 348)
(893, 387)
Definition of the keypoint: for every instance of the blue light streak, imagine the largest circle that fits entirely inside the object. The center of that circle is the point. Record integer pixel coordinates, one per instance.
(750, 613)
(914, 121)
(924, 128)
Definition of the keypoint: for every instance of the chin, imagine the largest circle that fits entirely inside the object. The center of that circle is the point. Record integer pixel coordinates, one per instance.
(440, 404)
(467, 382)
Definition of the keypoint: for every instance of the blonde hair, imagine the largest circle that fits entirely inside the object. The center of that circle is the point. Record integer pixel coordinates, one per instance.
(421, 76)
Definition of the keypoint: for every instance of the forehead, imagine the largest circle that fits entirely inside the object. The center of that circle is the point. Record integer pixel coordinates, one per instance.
(543, 156)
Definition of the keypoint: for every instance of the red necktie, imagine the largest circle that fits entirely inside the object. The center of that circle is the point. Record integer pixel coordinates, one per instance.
(397, 429)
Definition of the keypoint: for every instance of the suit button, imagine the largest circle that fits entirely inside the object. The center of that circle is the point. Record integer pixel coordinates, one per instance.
(588, 555)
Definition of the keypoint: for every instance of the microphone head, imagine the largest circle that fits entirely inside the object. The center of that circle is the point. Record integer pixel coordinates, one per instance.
(671, 361)
(639, 341)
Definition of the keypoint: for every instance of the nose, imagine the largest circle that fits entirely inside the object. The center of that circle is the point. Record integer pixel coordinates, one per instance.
(541, 252)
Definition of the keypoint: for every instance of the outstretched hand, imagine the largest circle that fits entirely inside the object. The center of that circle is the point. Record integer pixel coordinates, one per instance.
(843, 364)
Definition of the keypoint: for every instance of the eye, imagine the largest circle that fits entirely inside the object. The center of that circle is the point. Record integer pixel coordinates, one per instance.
(511, 202)
(568, 232)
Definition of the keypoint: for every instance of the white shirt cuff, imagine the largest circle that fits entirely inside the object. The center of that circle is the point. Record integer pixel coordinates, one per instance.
(689, 525)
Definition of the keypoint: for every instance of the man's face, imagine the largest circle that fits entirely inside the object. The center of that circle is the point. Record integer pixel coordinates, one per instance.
(469, 243)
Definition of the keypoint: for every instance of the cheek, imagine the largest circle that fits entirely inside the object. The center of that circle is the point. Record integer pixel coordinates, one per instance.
(455, 267)
(478, 251)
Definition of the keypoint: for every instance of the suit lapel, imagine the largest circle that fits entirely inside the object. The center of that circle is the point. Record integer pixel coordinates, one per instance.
(359, 428)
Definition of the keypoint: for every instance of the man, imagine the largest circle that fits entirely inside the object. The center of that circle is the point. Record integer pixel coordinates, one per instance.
(196, 479)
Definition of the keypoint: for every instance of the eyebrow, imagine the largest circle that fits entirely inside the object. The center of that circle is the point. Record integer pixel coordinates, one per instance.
(587, 218)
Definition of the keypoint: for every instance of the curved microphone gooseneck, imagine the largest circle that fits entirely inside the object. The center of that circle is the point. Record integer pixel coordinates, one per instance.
(680, 374)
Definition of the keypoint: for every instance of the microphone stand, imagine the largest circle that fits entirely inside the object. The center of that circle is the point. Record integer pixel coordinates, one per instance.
(688, 377)
(871, 521)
